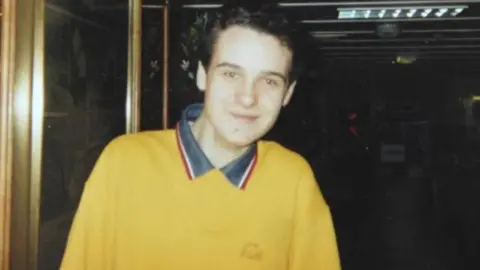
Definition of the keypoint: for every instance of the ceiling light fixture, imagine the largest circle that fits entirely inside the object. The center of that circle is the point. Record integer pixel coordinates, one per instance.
(411, 13)
(367, 14)
(399, 12)
(426, 12)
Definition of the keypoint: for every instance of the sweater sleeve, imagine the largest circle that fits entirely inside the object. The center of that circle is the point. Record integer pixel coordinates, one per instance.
(89, 246)
(314, 244)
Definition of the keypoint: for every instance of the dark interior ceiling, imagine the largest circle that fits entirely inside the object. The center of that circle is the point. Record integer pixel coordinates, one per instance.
(421, 38)
(430, 37)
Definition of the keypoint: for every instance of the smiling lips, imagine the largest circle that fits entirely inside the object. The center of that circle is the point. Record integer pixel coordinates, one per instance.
(245, 118)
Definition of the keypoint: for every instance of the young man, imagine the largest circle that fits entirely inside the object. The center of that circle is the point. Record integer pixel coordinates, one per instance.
(209, 194)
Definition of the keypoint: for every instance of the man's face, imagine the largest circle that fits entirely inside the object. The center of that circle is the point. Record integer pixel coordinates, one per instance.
(246, 84)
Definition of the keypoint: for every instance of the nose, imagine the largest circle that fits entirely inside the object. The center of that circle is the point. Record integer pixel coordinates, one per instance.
(247, 96)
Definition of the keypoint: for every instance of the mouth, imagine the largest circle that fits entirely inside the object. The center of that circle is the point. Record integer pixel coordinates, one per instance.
(244, 117)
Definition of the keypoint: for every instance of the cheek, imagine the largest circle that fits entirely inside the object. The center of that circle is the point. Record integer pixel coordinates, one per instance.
(219, 93)
(272, 100)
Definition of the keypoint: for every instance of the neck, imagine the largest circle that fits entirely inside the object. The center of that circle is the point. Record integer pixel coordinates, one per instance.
(216, 149)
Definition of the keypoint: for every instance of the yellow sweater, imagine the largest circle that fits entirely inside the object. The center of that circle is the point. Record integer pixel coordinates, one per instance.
(140, 211)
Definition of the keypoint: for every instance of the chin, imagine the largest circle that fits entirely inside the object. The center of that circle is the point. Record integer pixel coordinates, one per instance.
(242, 137)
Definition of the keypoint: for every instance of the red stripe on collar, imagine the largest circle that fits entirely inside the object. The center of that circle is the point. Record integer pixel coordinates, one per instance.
(248, 173)
(183, 154)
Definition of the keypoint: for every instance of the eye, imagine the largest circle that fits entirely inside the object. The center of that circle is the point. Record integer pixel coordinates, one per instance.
(271, 82)
(230, 74)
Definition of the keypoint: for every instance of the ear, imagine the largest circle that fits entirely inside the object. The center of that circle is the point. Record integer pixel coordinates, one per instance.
(289, 93)
(201, 77)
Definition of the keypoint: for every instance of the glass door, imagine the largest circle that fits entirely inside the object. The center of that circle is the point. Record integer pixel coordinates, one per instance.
(86, 73)
(104, 74)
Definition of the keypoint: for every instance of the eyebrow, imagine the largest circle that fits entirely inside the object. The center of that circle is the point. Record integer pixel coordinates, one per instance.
(266, 72)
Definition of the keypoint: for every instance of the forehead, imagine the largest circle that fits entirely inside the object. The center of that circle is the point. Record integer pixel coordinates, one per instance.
(252, 50)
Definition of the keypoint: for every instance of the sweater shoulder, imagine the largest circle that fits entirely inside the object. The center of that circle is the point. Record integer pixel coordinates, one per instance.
(283, 159)
(143, 141)
(142, 146)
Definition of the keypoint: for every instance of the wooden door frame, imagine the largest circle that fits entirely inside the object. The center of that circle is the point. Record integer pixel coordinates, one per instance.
(7, 43)
(21, 131)
(134, 67)
(166, 72)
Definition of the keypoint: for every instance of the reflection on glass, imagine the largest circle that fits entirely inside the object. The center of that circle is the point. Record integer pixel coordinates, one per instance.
(152, 67)
(187, 30)
(86, 59)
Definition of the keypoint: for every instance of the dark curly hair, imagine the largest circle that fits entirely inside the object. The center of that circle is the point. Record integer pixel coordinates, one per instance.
(262, 16)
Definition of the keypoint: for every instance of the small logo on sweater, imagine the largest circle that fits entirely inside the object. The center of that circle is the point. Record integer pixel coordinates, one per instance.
(252, 251)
